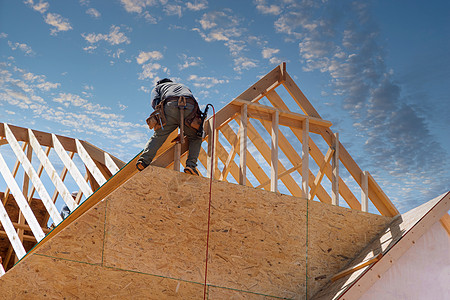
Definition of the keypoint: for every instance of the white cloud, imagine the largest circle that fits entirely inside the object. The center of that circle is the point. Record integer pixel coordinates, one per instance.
(148, 70)
(93, 13)
(58, 22)
(267, 9)
(3, 35)
(22, 47)
(189, 61)
(136, 6)
(114, 37)
(206, 82)
(244, 63)
(41, 7)
(173, 10)
(145, 56)
(197, 5)
(68, 99)
(269, 52)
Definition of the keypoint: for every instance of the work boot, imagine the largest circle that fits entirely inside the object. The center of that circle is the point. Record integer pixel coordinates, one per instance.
(191, 170)
(141, 165)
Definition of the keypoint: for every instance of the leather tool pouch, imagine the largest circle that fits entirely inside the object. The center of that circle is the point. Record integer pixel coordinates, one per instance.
(157, 118)
(194, 119)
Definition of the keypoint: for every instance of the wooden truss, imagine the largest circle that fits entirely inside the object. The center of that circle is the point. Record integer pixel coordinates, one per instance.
(241, 155)
(23, 214)
(246, 111)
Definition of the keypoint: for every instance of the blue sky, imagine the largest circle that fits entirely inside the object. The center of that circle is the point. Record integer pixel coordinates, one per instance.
(379, 70)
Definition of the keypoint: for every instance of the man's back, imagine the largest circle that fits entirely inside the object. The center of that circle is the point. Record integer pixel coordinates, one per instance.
(169, 89)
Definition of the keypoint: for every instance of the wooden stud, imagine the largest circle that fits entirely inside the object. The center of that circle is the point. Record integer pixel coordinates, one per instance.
(230, 157)
(318, 157)
(73, 170)
(445, 221)
(357, 267)
(26, 238)
(176, 157)
(300, 98)
(365, 191)
(89, 163)
(264, 150)
(376, 195)
(252, 164)
(10, 231)
(321, 173)
(287, 118)
(39, 172)
(45, 197)
(281, 175)
(110, 164)
(274, 153)
(56, 180)
(14, 173)
(21, 201)
(305, 158)
(243, 146)
(335, 172)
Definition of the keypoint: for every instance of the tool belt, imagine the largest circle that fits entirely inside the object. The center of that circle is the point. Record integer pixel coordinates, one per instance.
(157, 119)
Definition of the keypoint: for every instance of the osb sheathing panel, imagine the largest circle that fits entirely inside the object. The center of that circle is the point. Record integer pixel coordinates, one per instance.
(82, 240)
(156, 225)
(42, 277)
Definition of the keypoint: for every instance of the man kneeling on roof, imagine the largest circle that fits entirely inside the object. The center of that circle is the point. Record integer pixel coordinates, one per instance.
(174, 106)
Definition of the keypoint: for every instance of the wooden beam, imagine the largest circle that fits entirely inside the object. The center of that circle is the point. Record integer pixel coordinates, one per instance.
(89, 163)
(376, 195)
(305, 158)
(365, 191)
(318, 157)
(295, 158)
(287, 118)
(281, 175)
(176, 157)
(252, 164)
(10, 231)
(267, 83)
(26, 238)
(73, 170)
(230, 157)
(335, 173)
(299, 97)
(243, 146)
(264, 150)
(39, 172)
(356, 267)
(52, 174)
(110, 164)
(445, 221)
(321, 173)
(20, 200)
(101, 156)
(14, 173)
(274, 153)
(29, 170)
(44, 138)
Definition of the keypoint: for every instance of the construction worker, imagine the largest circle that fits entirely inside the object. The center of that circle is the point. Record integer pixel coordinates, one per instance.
(173, 101)
(65, 211)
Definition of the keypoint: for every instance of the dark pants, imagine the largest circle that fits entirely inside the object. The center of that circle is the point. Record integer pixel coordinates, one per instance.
(173, 122)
